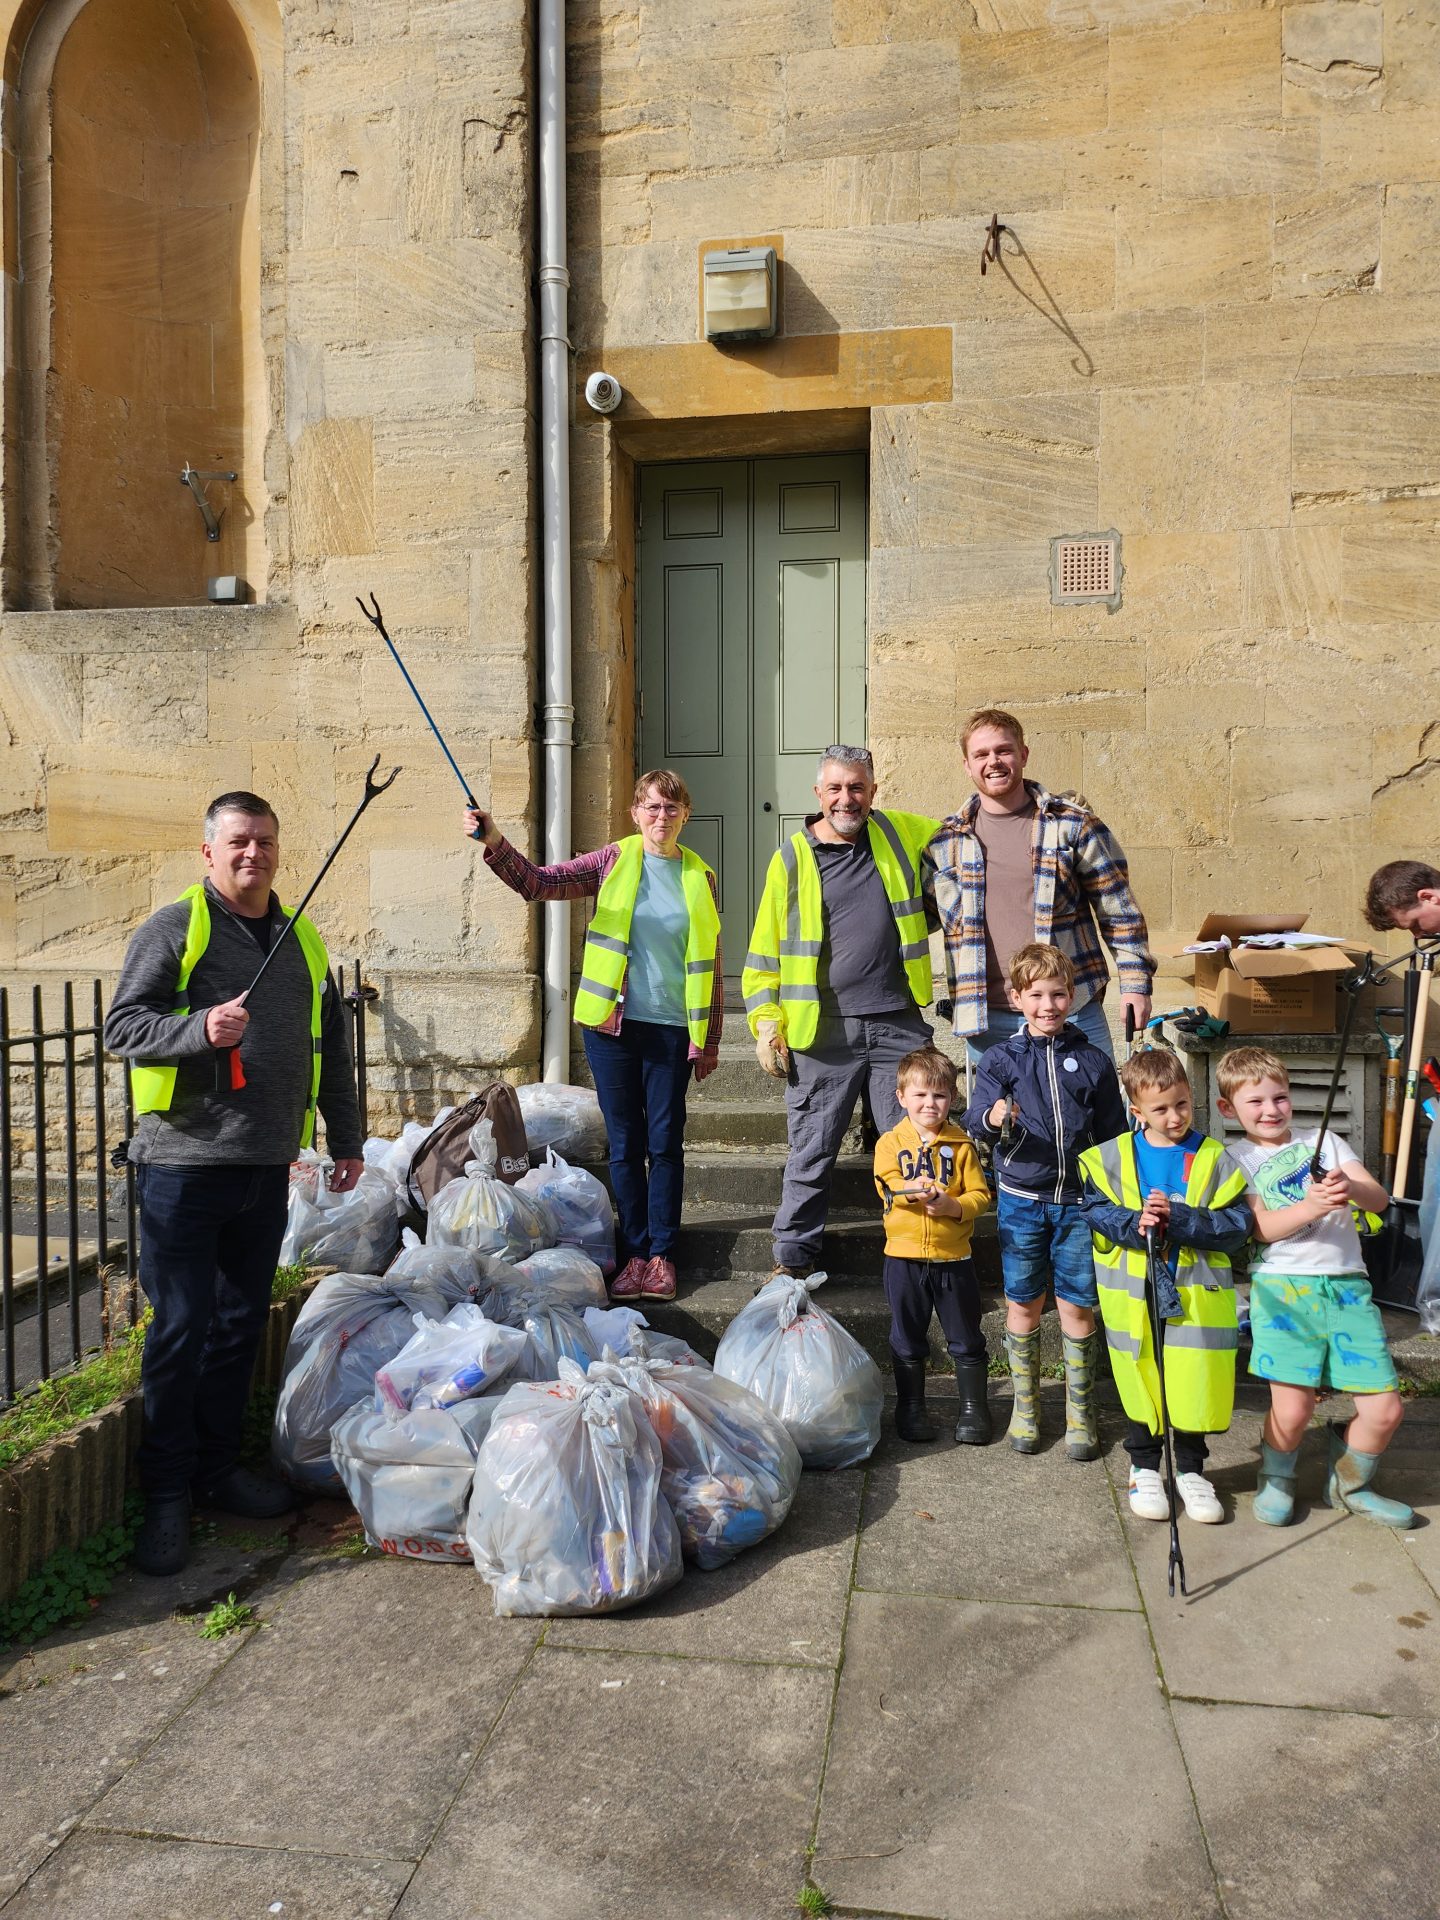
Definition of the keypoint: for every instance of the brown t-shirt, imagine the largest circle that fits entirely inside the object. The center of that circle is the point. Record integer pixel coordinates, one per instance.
(1009, 893)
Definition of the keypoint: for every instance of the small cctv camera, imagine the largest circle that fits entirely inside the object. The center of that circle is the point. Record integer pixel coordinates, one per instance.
(604, 392)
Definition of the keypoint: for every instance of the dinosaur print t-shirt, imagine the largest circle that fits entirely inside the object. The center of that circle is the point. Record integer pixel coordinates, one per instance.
(1279, 1176)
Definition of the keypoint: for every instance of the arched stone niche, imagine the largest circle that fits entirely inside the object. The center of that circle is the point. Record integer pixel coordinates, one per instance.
(138, 342)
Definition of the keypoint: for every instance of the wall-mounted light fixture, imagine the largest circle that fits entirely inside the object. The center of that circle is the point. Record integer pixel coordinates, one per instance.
(740, 301)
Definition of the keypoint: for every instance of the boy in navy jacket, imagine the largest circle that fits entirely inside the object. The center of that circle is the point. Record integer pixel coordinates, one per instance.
(1041, 1098)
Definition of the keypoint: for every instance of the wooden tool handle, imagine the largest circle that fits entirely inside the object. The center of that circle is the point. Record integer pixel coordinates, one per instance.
(1412, 1085)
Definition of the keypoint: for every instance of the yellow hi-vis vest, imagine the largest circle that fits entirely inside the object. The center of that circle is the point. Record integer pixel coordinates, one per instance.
(152, 1085)
(1200, 1346)
(781, 979)
(607, 942)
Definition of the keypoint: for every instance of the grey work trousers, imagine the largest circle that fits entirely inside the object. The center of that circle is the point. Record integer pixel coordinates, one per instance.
(825, 1081)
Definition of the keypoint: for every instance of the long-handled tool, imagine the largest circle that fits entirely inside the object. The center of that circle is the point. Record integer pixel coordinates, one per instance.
(1157, 1336)
(1392, 1094)
(229, 1074)
(373, 615)
(1425, 974)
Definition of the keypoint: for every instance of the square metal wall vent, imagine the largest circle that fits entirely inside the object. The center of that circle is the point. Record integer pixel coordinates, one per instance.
(1085, 567)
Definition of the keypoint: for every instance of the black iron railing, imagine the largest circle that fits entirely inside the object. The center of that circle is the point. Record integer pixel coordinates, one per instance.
(69, 1244)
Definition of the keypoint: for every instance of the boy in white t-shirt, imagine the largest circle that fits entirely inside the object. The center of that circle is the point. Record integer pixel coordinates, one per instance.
(1312, 1320)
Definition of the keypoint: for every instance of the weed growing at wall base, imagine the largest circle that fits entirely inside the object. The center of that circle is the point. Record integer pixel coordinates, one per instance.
(69, 1585)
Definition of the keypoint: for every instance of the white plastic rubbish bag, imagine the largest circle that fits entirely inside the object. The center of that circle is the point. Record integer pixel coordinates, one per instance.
(446, 1361)
(567, 1515)
(730, 1470)
(628, 1334)
(807, 1369)
(348, 1328)
(410, 1479)
(355, 1231)
(480, 1211)
(565, 1118)
(564, 1274)
(309, 1171)
(553, 1332)
(580, 1205)
(454, 1270)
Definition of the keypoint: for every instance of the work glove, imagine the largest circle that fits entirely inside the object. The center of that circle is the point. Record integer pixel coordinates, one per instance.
(771, 1050)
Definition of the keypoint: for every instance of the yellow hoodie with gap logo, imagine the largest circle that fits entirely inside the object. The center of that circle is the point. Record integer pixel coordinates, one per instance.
(951, 1162)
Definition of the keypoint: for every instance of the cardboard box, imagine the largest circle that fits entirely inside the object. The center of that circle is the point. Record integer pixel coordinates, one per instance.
(1268, 989)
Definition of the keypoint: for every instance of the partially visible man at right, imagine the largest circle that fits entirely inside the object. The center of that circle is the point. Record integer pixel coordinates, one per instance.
(1404, 894)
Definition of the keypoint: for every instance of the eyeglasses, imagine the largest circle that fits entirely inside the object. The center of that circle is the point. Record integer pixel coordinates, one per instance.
(655, 807)
(848, 756)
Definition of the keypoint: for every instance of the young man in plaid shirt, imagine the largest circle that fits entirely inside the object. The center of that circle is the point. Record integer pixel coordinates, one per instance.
(1018, 864)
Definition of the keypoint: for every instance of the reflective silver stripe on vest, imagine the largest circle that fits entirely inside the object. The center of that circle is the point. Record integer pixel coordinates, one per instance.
(897, 847)
(610, 945)
(794, 991)
(792, 892)
(914, 949)
(600, 991)
(1128, 1343)
(699, 966)
(1121, 1280)
(1108, 1154)
(907, 906)
(762, 963)
(1213, 1339)
(800, 949)
(754, 1001)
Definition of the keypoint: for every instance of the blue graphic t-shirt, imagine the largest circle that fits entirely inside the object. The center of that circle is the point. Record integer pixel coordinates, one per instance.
(1279, 1177)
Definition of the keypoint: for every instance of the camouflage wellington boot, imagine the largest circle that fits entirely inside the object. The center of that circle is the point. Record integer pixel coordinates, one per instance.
(1023, 1352)
(1081, 1440)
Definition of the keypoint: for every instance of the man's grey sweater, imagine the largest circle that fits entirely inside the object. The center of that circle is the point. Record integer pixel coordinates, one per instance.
(260, 1124)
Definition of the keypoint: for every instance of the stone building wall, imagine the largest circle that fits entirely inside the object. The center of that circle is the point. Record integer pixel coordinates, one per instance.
(391, 326)
(1214, 327)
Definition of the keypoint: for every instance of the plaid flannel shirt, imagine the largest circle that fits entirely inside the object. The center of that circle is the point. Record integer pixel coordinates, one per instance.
(1080, 879)
(581, 879)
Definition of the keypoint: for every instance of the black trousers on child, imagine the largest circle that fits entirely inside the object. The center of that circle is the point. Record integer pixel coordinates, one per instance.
(1147, 1449)
(948, 1288)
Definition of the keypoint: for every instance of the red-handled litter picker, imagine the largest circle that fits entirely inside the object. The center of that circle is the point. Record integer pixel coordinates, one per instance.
(1157, 1341)
(229, 1074)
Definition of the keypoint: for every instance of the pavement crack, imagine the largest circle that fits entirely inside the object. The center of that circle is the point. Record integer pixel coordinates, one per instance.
(1283, 1706)
(851, 1588)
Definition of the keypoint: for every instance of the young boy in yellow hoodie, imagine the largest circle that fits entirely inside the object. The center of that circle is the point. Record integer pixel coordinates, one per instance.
(931, 1186)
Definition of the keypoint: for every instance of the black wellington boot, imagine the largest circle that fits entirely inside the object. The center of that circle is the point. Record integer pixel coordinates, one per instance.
(972, 1429)
(910, 1421)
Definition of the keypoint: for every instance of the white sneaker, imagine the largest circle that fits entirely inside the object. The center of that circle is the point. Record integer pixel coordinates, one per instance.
(1147, 1494)
(1199, 1497)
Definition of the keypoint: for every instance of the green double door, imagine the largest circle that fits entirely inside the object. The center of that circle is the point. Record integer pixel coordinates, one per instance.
(751, 607)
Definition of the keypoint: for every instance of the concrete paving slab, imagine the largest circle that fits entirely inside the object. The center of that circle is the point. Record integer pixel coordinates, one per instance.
(783, 1600)
(618, 1785)
(78, 1711)
(345, 1724)
(988, 1523)
(1299, 1616)
(962, 1779)
(1316, 1816)
(112, 1876)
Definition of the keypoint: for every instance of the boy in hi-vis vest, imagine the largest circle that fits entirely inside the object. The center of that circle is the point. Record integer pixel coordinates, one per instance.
(1168, 1178)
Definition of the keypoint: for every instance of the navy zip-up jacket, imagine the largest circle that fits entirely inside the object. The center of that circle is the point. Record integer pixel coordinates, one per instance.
(1068, 1097)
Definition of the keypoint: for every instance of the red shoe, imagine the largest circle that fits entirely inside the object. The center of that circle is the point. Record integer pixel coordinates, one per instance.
(659, 1282)
(629, 1283)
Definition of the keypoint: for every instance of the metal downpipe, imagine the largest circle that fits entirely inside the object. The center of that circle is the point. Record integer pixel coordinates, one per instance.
(557, 709)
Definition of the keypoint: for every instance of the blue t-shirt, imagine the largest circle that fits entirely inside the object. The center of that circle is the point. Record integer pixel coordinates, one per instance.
(1167, 1168)
(659, 929)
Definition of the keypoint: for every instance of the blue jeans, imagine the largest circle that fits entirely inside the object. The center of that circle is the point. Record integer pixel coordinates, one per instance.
(1090, 1019)
(640, 1076)
(1042, 1245)
(209, 1241)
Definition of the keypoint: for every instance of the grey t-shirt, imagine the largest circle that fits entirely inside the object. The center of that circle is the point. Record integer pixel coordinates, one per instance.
(860, 969)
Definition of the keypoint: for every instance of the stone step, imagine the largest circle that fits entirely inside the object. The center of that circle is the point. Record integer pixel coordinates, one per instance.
(729, 1123)
(751, 1178)
(726, 1240)
(704, 1308)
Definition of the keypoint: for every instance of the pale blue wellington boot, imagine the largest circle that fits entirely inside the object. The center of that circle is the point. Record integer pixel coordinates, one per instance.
(1275, 1486)
(1348, 1486)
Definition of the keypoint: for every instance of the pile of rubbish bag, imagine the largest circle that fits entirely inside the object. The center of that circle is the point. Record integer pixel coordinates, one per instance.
(478, 1398)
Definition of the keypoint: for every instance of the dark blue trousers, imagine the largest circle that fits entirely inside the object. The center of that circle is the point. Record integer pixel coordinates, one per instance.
(918, 1288)
(640, 1075)
(209, 1241)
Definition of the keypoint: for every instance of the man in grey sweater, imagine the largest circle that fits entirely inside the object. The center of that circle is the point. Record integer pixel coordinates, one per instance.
(212, 1155)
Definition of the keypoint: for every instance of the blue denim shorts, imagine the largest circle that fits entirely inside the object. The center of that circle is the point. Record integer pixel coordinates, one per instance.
(1043, 1245)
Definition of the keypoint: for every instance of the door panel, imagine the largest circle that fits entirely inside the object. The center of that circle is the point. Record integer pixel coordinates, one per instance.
(751, 605)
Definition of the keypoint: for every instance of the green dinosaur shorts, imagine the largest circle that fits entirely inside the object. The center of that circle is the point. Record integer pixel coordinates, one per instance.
(1319, 1330)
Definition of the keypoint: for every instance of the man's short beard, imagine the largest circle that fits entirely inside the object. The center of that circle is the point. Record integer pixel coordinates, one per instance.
(849, 833)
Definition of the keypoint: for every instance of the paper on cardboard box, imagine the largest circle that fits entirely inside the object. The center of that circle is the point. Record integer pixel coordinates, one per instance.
(1267, 989)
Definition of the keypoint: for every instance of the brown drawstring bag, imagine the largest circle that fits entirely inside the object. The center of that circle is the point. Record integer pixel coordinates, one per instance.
(441, 1155)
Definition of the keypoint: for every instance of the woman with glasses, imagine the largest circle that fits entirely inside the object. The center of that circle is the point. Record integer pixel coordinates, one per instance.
(650, 1002)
